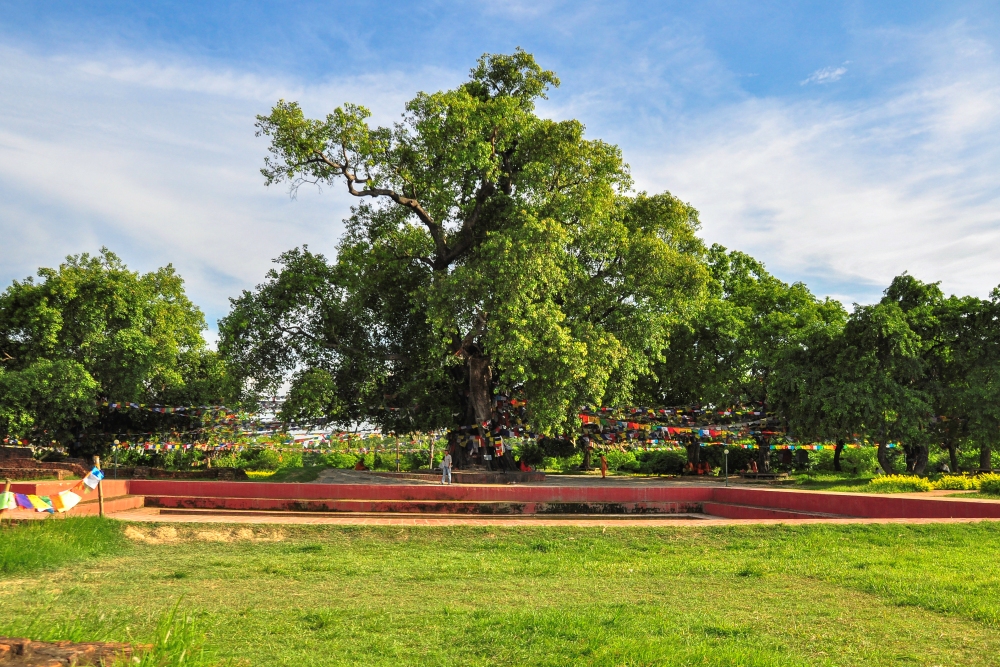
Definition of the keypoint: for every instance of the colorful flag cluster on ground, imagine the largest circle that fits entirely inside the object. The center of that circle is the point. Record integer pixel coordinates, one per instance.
(61, 502)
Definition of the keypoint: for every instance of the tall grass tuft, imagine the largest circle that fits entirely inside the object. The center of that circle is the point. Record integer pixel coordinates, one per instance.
(177, 642)
(32, 545)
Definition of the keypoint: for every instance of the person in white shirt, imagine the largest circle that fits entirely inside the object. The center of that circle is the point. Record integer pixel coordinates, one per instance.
(446, 469)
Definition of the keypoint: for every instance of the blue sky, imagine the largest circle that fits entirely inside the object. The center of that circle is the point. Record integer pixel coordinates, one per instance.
(841, 143)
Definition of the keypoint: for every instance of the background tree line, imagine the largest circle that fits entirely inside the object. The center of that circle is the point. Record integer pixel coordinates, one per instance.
(494, 250)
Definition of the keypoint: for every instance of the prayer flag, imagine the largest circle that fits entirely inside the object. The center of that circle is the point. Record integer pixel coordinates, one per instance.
(94, 478)
(68, 500)
(7, 501)
(23, 502)
(38, 504)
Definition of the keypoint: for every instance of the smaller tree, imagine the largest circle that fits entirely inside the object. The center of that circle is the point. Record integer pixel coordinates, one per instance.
(728, 351)
(93, 331)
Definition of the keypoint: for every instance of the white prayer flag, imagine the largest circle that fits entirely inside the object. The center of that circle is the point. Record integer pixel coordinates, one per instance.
(94, 478)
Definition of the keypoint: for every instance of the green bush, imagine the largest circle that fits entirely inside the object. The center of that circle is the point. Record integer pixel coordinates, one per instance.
(669, 462)
(899, 484)
(529, 452)
(956, 482)
(859, 461)
(557, 448)
(621, 461)
(340, 460)
(989, 483)
(563, 463)
(262, 459)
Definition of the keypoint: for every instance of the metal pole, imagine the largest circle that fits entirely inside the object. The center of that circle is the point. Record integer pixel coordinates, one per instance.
(100, 487)
(726, 459)
(6, 490)
(397, 454)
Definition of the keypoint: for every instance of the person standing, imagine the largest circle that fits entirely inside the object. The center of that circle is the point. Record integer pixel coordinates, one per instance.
(604, 467)
(446, 469)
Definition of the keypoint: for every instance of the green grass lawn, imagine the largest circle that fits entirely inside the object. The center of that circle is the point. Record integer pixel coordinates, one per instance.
(765, 595)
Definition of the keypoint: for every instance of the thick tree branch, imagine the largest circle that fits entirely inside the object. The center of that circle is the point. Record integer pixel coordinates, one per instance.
(467, 235)
(350, 175)
(463, 347)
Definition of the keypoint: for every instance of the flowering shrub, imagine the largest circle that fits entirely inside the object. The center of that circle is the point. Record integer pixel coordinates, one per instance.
(898, 484)
(956, 482)
(989, 483)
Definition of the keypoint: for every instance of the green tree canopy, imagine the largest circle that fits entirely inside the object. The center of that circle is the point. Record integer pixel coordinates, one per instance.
(496, 250)
(94, 331)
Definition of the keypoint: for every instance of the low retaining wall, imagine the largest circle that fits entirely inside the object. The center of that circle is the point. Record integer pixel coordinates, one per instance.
(752, 503)
(862, 505)
(566, 494)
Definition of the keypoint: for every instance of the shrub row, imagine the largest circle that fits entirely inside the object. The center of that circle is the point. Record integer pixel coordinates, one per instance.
(989, 483)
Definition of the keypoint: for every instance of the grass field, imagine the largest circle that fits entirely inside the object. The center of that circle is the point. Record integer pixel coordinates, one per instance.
(766, 595)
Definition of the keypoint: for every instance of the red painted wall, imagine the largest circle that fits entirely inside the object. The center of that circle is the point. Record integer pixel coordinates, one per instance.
(511, 493)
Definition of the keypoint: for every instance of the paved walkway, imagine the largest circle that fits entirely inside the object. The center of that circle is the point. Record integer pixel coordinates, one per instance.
(148, 514)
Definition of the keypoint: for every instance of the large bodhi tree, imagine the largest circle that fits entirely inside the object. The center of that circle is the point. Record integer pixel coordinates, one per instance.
(494, 249)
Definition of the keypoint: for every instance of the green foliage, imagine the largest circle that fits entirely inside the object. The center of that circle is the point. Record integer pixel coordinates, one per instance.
(178, 641)
(26, 546)
(662, 463)
(530, 452)
(563, 464)
(375, 595)
(340, 459)
(956, 482)
(622, 461)
(857, 461)
(899, 484)
(499, 249)
(989, 483)
(93, 330)
(728, 351)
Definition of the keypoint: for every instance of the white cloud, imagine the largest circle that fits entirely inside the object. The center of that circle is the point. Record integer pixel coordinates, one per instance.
(847, 195)
(160, 163)
(825, 75)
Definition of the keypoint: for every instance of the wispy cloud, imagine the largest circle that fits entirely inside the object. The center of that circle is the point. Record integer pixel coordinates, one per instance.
(846, 195)
(825, 75)
(157, 159)
(160, 163)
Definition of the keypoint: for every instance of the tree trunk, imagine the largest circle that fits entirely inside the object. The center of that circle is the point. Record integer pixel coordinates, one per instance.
(480, 390)
(836, 455)
(587, 449)
(694, 453)
(985, 457)
(953, 454)
(763, 456)
(883, 458)
(920, 460)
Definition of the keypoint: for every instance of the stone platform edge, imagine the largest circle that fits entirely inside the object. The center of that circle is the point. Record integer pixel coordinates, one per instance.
(841, 504)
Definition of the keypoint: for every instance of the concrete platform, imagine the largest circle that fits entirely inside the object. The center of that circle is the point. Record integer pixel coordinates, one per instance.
(666, 500)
